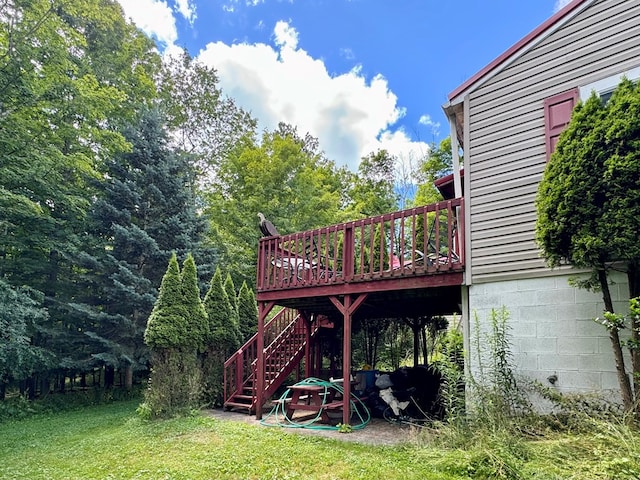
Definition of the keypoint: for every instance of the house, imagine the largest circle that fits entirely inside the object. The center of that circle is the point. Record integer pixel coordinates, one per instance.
(507, 119)
(469, 253)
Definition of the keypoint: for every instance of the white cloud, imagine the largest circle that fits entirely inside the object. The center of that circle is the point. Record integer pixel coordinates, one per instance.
(428, 122)
(560, 4)
(187, 9)
(285, 35)
(153, 17)
(349, 115)
(230, 6)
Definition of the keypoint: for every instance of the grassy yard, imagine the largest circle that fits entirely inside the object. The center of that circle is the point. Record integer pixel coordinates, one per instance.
(110, 442)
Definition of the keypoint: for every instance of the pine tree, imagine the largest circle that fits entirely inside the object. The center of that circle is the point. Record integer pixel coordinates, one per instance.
(247, 312)
(146, 210)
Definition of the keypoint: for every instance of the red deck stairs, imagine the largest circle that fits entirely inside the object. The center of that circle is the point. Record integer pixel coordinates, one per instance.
(286, 337)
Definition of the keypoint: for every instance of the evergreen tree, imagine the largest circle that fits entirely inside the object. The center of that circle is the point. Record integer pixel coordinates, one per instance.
(146, 210)
(588, 207)
(247, 312)
(175, 380)
(167, 325)
(223, 332)
(196, 316)
(230, 290)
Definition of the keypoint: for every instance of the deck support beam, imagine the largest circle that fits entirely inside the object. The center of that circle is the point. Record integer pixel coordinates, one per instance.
(347, 307)
(307, 339)
(263, 310)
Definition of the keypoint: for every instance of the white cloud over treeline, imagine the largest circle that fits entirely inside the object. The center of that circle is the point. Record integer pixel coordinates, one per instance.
(351, 115)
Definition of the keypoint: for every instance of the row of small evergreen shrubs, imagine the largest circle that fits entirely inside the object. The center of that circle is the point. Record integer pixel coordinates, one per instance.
(190, 339)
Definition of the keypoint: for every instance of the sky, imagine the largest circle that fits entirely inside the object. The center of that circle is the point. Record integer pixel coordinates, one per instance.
(360, 75)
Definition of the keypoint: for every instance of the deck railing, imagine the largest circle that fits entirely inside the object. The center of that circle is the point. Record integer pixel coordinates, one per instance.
(425, 240)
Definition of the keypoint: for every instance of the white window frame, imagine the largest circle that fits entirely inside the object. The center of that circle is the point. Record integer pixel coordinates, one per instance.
(609, 84)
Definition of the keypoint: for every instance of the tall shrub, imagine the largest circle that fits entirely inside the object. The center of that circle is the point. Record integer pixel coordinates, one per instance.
(247, 312)
(174, 385)
(196, 316)
(588, 207)
(230, 290)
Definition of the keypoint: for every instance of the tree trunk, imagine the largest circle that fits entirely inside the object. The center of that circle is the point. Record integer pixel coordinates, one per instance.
(633, 277)
(128, 377)
(623, 379)
(31, 388)
(45, 386)
(425, 345)
(109, 376)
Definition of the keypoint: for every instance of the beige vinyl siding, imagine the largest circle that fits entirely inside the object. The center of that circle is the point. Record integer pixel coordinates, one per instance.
(507, 154)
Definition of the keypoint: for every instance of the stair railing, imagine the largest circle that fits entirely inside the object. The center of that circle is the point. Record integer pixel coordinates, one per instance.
(239, 369)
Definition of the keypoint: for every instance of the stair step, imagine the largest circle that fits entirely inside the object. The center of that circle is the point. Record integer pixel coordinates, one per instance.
(243, 397)
(237, 405)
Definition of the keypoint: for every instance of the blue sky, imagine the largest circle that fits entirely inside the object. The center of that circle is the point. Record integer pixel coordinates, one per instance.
(358, 74)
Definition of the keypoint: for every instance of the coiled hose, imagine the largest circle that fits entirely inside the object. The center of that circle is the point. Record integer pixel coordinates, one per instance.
(281, 419)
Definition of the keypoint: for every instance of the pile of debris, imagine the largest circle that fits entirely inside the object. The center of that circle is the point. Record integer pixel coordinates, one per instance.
(409, 394)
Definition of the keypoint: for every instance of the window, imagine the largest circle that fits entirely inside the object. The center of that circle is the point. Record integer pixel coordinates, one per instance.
(557, 114)
(605, 87)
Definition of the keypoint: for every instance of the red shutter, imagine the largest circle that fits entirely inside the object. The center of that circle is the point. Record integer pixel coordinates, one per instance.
(557, 113)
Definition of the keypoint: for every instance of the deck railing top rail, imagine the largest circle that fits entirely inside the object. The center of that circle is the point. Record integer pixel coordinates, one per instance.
(424, 240)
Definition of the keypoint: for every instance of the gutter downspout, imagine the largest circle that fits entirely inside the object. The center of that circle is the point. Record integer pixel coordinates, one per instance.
(455, 148)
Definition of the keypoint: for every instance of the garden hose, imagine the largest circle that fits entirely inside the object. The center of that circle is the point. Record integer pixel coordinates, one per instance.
(279, 411)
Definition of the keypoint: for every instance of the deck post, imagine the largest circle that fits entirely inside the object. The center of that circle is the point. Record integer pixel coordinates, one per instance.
(307, 343)
(263, 310)
(346, 363)
(347, 309)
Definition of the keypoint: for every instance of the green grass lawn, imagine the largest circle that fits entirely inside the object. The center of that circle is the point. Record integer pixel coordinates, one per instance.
(110, 442)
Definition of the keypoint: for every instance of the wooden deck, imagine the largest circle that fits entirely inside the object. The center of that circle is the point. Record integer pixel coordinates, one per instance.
(399, 259)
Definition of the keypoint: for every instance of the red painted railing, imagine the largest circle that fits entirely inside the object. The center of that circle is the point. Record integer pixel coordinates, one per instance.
(284, 336)
(425, 240)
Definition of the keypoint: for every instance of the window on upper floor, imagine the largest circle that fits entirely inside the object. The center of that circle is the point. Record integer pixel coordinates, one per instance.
(605, 87)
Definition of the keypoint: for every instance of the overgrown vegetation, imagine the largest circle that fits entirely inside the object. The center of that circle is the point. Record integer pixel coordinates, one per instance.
(494, 422)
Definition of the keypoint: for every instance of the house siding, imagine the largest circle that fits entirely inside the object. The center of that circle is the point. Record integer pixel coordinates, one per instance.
(506, 152)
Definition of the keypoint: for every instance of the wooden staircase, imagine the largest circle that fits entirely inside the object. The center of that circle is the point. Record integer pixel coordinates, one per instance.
(286, 338)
